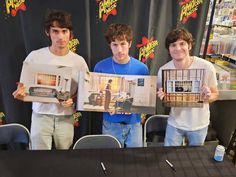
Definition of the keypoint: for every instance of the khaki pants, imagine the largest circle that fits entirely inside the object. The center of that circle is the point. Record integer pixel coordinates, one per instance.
(48, 128)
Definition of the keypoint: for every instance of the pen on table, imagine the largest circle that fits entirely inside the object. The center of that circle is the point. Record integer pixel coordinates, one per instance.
(103, 168)
(171, 165)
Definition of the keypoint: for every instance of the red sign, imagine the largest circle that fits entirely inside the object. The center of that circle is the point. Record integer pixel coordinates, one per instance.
(13, 6)
(146, 48)
(106, 8)
(189, 9)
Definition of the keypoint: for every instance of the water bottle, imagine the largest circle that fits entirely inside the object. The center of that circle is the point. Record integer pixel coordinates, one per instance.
(219, 153)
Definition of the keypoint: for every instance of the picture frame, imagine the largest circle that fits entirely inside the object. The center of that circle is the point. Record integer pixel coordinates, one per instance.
(46, 83)
(182, 87)
(125, 93)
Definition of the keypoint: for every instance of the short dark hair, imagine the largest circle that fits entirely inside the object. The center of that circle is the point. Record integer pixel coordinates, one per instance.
(119, 31)
(177, 34)
(63, 19)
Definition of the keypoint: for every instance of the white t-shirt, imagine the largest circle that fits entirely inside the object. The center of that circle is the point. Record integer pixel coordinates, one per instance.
(44, 56)
(191, 118)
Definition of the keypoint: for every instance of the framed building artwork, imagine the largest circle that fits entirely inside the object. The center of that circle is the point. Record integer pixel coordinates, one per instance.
(101, 92)
(46, 83)
(183, 87)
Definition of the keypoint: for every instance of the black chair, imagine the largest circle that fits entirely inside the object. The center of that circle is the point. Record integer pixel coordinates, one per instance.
(15, 136)
(154, 130)
(97, 142)
(231, 149)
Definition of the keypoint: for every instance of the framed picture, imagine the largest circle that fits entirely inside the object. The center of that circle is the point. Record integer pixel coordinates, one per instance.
(46, 83)
(121, 93)
(182, 87)
(141, 81)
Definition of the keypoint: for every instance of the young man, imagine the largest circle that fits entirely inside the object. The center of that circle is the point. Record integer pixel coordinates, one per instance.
(53, 122)
(107, 95)
(125, 127)
(188, 122)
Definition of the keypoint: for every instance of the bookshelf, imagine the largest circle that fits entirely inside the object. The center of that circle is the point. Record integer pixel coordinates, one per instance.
(220, 38)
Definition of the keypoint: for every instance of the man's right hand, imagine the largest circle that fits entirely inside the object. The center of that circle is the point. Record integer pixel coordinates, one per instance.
(19, 93)
(160, 93)
(112, 112)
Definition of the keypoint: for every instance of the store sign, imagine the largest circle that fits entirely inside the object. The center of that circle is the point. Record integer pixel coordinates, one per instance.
(13, 6)
(189, 9)
(72, 45)
(106, 8)
(146, 48)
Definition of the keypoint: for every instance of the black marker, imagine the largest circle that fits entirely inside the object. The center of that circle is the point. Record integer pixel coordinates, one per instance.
(104, 169)
(171, 165)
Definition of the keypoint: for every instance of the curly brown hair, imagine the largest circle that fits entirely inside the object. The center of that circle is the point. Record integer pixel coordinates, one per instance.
(62, 18)
(177, 34)
(119, 31)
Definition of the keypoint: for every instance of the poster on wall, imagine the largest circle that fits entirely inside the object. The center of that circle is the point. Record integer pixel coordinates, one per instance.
(101, 92)
(46, 83)
(182, 87)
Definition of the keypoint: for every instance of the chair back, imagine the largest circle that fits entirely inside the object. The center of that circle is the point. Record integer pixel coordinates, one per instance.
(154, 130)
(97, 142)
(13, 135)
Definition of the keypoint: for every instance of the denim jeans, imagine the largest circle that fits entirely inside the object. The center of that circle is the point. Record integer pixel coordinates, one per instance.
(47, 128)
(129, 135)
(174, 136)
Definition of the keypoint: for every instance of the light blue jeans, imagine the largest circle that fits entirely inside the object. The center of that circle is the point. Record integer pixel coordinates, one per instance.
(47, 128)
(174, 136)
(129, 135)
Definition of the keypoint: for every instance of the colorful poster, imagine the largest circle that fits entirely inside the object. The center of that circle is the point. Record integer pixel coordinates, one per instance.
(116, 93)
(182, 87)
(46, 83)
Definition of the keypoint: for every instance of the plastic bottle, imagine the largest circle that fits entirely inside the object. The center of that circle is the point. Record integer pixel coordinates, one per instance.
(219, 153)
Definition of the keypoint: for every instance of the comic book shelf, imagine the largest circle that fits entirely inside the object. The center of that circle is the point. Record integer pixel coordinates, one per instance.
(221, 48)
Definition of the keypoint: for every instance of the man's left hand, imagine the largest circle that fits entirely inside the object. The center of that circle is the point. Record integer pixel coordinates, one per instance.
(206, 93)
(67, 103)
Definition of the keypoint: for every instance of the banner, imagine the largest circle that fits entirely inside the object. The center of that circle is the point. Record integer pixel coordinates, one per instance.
(22, 31)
